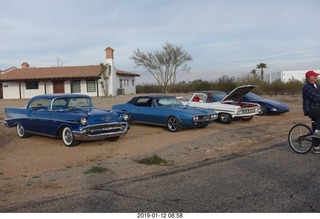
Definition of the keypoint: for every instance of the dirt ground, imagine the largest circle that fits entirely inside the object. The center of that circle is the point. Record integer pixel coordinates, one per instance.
(39, 167)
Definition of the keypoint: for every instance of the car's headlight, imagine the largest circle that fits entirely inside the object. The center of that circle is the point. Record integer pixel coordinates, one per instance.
(84, 121)
(126, 117)
(214, 116)
(195, 118)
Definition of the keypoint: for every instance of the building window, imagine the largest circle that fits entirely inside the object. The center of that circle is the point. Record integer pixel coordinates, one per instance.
(120, 81)
(32, 85)
(91, 86)
(132, 83)
(75, 87)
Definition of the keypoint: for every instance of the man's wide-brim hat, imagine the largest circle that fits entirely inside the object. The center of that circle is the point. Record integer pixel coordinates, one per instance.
(311, 73)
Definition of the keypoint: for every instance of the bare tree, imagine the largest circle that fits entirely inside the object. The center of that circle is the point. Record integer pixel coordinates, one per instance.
(59, 62)
(163, 65)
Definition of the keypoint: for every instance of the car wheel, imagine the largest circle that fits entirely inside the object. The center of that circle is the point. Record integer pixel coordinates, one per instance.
(68, 138)
(21, 131)
(263, 110)
(225, 118)
(173, 124)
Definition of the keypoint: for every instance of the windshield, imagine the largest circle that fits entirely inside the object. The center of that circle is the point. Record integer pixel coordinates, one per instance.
(71, 103)
(252, 96)
(168, 102)
(218, 97)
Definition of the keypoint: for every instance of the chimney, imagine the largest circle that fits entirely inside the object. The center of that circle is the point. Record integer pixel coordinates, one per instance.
(109, 53)
(25, 65)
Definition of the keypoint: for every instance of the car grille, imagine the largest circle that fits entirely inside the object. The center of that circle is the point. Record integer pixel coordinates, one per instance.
(107, 128)
(203, 118)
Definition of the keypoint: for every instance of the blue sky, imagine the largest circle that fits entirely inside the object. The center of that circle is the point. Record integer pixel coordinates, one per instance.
(224, 37)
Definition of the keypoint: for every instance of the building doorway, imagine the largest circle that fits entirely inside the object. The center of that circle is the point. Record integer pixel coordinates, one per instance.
(58, 87)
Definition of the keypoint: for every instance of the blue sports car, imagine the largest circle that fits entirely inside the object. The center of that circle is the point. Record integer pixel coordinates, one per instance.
(71, 117)
(268, 107)
(166, 111)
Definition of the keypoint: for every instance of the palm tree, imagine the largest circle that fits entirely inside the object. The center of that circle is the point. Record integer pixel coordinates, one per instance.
(254, 74)
(262, 66)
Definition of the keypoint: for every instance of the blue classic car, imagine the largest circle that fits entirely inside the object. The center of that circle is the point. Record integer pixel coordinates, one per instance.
(166, 111)
(70, 116)
(268, 107)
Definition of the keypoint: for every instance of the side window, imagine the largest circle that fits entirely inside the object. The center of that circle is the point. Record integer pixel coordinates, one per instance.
(59, 104)
(39, 104)
(145, 102)
(198, 98)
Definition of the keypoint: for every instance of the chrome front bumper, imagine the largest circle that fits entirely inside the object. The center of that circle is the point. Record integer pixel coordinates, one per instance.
(100, 132)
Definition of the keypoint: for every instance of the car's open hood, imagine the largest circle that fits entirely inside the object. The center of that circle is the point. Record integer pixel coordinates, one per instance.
(239, 92)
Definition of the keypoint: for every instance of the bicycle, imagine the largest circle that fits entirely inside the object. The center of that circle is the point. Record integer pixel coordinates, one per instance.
(300, 138)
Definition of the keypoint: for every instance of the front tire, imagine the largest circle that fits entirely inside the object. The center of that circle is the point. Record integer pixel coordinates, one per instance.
(173, 124)
(263, 111)
(225, 118)
(21, 131)
(68, 137)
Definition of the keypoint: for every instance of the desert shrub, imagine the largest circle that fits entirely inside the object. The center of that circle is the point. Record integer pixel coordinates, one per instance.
(148, 88)
(198, 85)
(227, 83)
(152, 160)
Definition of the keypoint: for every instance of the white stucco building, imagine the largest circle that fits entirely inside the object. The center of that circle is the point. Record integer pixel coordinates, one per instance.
(26, 82)
(285, 76)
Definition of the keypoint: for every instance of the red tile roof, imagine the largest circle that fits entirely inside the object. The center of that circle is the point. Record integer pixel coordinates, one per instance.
(125, 73)
(50, 73)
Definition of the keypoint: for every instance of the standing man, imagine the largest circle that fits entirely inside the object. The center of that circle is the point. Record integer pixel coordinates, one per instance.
(311, 105)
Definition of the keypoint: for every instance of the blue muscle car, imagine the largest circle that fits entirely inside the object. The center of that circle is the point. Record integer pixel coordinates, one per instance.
(166, 111)
(70, 116)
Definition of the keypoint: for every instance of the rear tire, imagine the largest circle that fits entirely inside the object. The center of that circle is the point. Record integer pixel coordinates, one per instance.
(68, 137)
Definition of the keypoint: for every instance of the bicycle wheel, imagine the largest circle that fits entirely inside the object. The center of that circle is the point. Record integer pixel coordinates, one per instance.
(300, 138)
